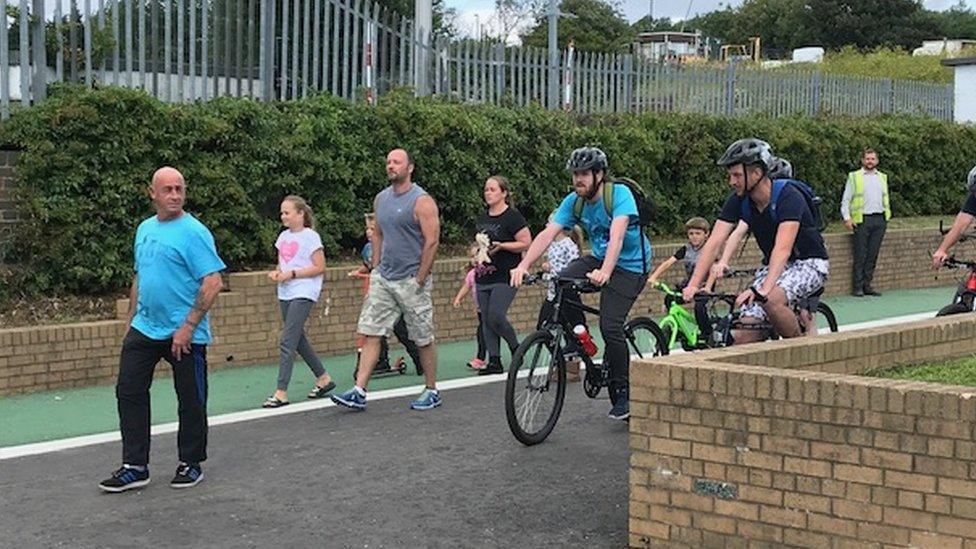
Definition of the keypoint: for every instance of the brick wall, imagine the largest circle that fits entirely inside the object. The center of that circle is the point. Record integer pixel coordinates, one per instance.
(246, 318)
(729, 449)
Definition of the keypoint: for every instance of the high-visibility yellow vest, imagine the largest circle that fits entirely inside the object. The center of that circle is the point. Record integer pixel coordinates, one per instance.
(857, 200)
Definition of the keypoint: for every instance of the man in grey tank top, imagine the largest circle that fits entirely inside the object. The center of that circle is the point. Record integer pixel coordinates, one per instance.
(405, 242)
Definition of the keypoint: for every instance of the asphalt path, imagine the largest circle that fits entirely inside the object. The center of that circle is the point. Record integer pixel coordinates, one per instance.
(387, 477)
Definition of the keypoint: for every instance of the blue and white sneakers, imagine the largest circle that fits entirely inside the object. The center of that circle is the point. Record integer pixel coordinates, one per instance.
(187, 475)
(350, 399)
(430, 398)
(125, 478)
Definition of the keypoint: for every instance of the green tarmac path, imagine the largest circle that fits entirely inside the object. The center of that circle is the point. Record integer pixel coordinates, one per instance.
(54, 415)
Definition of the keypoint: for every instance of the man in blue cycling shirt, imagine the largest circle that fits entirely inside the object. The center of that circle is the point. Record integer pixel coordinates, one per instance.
(619, 264)
(795, 263)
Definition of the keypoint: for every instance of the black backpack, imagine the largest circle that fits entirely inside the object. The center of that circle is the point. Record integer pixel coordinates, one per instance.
(809, 195)
(646, 210)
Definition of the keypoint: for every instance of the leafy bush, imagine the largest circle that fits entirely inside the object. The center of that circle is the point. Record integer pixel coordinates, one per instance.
(891, 63)
(87, 157)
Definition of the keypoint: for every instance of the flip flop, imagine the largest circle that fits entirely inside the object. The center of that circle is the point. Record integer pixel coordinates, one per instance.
(320, 392)
(273, 402)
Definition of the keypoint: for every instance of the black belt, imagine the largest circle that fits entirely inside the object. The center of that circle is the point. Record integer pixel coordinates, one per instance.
(870, 215)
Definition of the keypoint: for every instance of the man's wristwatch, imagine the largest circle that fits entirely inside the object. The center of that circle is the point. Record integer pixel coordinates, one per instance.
(759, 297)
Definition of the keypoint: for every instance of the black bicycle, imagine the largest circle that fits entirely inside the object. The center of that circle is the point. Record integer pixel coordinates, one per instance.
(723, 318)
(536, 385)
(965, 299)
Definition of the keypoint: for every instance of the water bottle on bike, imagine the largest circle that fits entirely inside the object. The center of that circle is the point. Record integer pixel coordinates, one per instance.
(589, 347)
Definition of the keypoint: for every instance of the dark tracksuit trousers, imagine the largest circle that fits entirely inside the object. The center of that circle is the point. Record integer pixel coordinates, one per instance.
(140, 355)
(400, 330)
(616, 299)
(867, 243)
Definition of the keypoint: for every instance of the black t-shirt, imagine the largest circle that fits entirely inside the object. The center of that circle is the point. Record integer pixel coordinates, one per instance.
(970, 205)
(791, 207)
(499, 228)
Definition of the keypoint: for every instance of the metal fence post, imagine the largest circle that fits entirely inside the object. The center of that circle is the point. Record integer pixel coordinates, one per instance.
(815, 84)
(730, 89)
(628, 83)
(39, 53)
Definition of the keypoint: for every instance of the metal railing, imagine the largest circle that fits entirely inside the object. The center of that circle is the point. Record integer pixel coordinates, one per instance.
(195, 50)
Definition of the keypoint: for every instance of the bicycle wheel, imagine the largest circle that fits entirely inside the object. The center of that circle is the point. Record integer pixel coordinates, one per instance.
(645, 338)
(535, 389)
(825, 315)
(953, 309)
(666, 331)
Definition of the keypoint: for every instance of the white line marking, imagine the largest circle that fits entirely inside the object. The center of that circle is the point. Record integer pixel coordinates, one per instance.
(36, 448)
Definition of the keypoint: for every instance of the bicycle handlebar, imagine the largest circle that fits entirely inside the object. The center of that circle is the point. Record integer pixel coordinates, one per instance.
(952, 263)
(578, 284)
(740, 273)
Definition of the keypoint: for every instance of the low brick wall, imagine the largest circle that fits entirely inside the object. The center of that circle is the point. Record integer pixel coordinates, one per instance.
(246, 318)
(778, 444)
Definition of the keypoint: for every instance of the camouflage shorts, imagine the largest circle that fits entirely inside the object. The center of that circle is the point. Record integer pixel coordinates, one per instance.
(387, 300)
(800, 279)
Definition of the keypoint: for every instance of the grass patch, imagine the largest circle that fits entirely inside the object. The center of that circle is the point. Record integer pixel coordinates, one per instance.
(958, 371)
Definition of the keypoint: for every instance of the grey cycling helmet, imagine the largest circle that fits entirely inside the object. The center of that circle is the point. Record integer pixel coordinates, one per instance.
(971, 180)
(747, 151)
(780, 168)
(587, 158)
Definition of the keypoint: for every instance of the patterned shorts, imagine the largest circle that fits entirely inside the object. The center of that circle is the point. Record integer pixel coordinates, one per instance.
(388, 300)
(800, 279)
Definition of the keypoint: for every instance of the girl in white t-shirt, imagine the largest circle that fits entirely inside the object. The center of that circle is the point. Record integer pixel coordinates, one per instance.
(301, 262)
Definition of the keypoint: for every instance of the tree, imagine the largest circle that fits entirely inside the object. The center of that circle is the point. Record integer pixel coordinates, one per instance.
(644, 24)
(510, 15)
(778, 23)
(868, 24)
(957, 22)
(598, 27)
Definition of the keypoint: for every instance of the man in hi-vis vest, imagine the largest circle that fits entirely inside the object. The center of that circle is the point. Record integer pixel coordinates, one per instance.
(866, 211)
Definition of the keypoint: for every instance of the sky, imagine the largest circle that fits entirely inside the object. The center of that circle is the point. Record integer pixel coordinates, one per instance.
(471, 12)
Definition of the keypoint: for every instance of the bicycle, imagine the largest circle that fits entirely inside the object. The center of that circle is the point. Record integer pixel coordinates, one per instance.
(536, 384)
(681, 326)
(964, 300)
(724, 318)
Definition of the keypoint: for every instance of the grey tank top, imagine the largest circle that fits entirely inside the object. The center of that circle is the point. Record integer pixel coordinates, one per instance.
(402, 239)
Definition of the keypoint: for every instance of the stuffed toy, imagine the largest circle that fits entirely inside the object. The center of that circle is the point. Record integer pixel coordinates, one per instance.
(484, 243)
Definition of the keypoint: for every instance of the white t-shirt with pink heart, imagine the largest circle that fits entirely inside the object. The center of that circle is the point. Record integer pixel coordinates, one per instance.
(295, 251)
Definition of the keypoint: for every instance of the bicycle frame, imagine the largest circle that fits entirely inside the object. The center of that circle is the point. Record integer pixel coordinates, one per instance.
(678, 319)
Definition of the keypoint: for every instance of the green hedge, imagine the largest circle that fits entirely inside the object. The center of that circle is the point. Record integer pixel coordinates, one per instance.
(88, 155)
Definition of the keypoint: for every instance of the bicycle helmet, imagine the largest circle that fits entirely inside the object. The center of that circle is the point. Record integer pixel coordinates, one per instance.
(747, 151)
(971, 180)
(587, 158)
(780, 169)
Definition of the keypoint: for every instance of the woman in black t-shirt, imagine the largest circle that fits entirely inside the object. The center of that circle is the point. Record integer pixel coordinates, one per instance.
(509, 236)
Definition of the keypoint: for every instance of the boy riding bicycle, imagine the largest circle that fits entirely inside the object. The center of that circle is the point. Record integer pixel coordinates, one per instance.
(795, 263)
(620, 260)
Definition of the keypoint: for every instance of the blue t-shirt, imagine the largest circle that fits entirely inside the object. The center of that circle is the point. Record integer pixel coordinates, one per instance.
(368, 255)
(172, 257)
(596, 223)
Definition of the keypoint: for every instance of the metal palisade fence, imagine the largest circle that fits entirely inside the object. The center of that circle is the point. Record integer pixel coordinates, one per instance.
(194, 50)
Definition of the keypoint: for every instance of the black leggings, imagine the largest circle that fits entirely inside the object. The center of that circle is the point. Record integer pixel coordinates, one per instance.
(494, 301)
(400, 330)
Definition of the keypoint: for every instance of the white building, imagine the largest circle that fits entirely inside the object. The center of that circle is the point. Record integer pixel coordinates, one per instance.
(938, 47)
(964, 88)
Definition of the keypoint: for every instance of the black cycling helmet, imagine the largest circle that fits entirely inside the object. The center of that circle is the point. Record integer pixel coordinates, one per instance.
(971, 180)
(780, 168)
(587, 158)
(747, 151)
